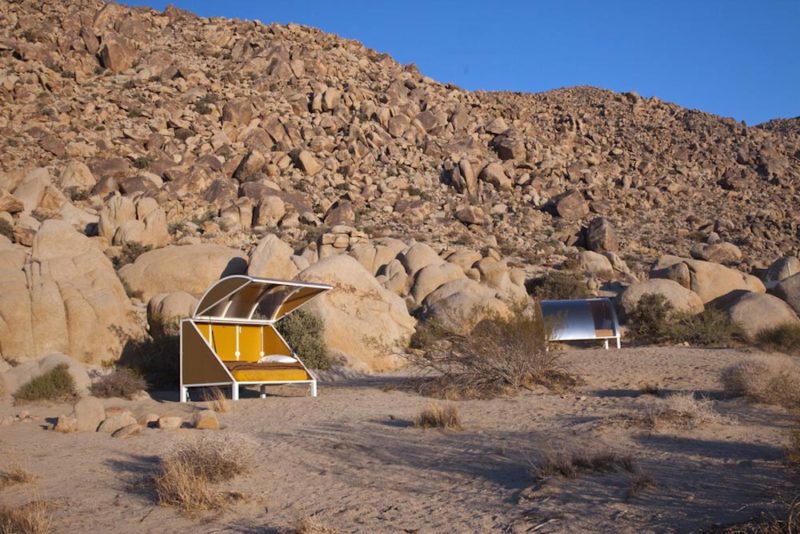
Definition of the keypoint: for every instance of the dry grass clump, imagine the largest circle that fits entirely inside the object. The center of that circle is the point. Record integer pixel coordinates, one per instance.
(185, 474)
(444, 416)
(641, 483)
(500, 356)
(312, 525)
(558, 285)
(121, 382)
(649, 388)
(682, 410)
(793, 448)
(217, 400)
(15, 475)
(766, 379)
(54, 385)
(783, 338)
(573, 464)
(30, 518)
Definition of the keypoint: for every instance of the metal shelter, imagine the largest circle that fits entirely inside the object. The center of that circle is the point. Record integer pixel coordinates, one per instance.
(581, 319)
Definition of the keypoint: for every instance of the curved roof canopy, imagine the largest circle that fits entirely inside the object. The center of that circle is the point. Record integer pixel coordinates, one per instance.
(238, 297)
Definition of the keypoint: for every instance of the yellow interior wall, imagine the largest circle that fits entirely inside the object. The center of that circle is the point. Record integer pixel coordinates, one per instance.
(223, 341)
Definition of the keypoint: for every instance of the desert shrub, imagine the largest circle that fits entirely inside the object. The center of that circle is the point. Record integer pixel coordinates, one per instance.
(559, 285)
(77, 195)
(15, 475)
(783, 338)
(640, 483)
(184, 475)
(129, 253)
(217, 400)
(793, 448)
(499, 356)
(572, 464)
(654, 320)
(142, 162)
(121, 382)
(157, 360)
(7, 229)
(443, 416)
(30, 518)
(766, 379)
(304, 332)
(54, 385)
(682, 410)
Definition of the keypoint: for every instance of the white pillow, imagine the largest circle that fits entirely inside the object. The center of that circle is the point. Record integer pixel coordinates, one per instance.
(276, 358)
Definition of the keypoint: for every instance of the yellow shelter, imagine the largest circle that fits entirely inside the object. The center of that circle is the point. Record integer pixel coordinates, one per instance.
(231, 339)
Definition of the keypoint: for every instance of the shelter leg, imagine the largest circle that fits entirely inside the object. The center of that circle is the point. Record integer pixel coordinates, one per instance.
(313, 388)
(619, 345)
(235, 391)
(605, 344)
(263, 391)
(184, 392)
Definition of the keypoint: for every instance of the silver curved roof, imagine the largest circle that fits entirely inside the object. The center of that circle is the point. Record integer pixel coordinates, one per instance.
(238, 297)
(572, 320)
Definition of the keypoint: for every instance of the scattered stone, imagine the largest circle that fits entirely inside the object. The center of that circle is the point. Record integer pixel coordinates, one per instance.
(111, 424)
(205, 420)
(127, 431)
(571, 205)
(169, 422)
(89, 412)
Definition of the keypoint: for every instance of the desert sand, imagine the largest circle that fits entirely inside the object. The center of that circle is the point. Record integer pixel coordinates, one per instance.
(352, 459)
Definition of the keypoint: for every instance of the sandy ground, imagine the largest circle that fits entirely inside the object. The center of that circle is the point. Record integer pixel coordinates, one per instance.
(352, 459)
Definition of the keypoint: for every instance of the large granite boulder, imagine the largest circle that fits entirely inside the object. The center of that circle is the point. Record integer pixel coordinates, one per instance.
(63, 297)
(709, 280)
(754, 312)
(272, 258)
(189, 268)
(788, 289)
(681, 299)
(364, 323)
(459, 305)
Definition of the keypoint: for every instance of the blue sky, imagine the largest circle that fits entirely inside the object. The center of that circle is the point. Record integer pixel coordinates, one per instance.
(735, 58)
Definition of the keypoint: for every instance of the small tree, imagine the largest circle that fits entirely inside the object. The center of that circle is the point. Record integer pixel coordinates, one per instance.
(304, 333)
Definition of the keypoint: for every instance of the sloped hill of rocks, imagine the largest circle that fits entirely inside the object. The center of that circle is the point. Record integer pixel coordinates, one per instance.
(143, 129)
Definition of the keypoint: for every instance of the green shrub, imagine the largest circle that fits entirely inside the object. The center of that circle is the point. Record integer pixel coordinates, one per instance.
(558, 285)
(142, 162)
(122, 382)
(54, 385)
(157, 360)
(783, 338)
(654, 320)
(129, 253)
(7, 229)
(303, 332)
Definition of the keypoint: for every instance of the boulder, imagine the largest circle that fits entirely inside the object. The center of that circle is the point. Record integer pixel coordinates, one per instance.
(188, 268)
(788, 289)
(471, 215)
(272, 258)
(595, 264)
(717, 252)
(600, 236)
(111, 424)
(77, 175)
(708, 280)
(681, 299)
(66, 424)
(89, 412)
(205, 420)
(65, 298)
(783, 268)
(419, 255)
(31, 189)
(165, 311)
(169, 422)
(364, 322)
(459, 305)
(431, 277)
(308, 163)
(496, 275)
(117, 55)
(495, 174)
(9, 203)
(127, 430)
(754, 312)
(571, 205)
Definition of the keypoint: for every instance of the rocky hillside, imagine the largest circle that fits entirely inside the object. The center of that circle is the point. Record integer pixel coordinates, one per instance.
(143, 129)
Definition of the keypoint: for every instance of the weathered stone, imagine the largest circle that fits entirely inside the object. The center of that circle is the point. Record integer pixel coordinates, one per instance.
(66, 424)
(754, 312)
(681, 299)
(111, 424)
(495, 174)
(571, 205)
(708, 280)
(601, 236)
(308, 163)
(717, 252)
(165, 311)
(117, 55)
(127, 431)
(471, 215)
(272, 258)
(89, 412)
(205, 420)
(788, 289)
(169, 422)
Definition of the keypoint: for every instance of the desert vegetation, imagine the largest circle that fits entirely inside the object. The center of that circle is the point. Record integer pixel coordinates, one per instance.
(56, 384)
(444, 416)
(654, 320)
(30, 518)
(682, 410)
(122, 382)
(216, 399)
(782, 338)
(768, 379)
(303, 332)
(15, 475)
(499, 356)
(557, 285)
(571, 464)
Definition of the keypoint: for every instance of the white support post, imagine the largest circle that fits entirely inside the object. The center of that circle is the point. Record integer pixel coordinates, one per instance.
(313, 388)
(619, 345)
(235, 391)
(263, 391)
(184, 393)
(605, 344)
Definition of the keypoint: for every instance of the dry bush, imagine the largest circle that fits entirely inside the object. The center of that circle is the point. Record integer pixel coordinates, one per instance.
(767, 379)
(793, 448)
(122, 382)
(55, 385)
(682, 410)
(499, 356)
(217, 400)
(312, 525)
(30, 518)
(443, 416)
(572, 464)
(15, 475)
(185, 475)
(559, 285)
(649, 388)
(640, 483)
(783, 338)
